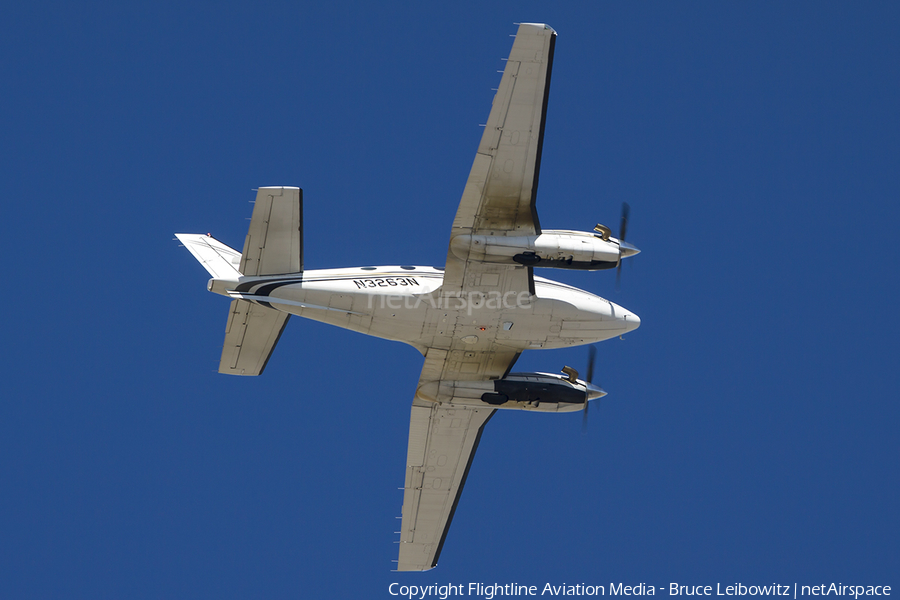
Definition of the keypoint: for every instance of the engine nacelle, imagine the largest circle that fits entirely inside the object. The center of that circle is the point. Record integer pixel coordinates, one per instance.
(558, 249)
(543, 392)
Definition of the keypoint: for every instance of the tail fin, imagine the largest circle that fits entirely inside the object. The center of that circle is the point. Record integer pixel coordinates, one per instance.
(221, 261)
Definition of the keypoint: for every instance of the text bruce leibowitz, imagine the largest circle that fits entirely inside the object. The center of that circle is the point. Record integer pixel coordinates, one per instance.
(489, 591)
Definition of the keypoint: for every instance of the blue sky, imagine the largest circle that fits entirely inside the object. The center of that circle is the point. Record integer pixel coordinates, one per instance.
(751, 428)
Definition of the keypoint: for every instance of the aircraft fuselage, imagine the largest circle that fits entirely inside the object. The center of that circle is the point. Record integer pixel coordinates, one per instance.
(404, 304)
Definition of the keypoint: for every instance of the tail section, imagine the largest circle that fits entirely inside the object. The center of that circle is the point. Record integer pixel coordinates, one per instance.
(274, 246)
(218, 259)
(250, 336)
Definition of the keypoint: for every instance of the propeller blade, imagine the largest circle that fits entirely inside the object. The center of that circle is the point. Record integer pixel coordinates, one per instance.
(592, 355)
(584, 417)
(623, 229)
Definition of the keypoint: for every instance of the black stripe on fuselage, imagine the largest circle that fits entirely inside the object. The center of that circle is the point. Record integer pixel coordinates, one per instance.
(267, 286)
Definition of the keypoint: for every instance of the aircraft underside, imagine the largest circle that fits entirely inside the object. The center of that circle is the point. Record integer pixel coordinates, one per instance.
(470, 319)
(406, 305)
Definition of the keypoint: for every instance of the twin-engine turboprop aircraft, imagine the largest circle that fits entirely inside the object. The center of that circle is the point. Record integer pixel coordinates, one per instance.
(470, 319)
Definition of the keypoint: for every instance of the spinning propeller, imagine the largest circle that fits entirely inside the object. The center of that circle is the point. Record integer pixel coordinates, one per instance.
(589, 379)
(591, 391)
(625, 249)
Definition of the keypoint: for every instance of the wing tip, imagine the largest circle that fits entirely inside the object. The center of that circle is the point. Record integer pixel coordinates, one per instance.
(538, 25)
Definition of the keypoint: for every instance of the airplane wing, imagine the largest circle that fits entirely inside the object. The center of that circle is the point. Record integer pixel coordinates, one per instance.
(442, 443)
(499, 196)
(499, 199)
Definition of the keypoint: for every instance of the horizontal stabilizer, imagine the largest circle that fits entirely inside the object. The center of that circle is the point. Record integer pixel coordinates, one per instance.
(274, 244)
(221, 261)
(250, 336)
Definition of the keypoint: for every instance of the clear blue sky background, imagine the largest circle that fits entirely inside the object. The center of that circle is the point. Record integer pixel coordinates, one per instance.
(751, 429)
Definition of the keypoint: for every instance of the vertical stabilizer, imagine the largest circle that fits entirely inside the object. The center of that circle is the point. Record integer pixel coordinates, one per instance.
(219, 260)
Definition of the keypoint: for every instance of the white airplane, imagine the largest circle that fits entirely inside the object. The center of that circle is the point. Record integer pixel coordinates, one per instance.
(471, 319)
